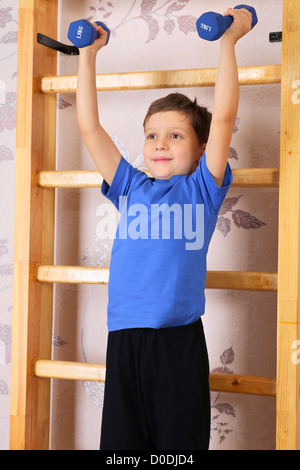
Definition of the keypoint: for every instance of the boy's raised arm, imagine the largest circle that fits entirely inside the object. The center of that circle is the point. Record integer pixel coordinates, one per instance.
(226, 97)
(102, 149)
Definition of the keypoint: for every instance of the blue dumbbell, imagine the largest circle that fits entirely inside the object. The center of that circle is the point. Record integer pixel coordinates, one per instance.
(82, 33)
(211, 26)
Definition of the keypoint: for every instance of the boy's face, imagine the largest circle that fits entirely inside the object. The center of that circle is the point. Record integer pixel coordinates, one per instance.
(171, 145)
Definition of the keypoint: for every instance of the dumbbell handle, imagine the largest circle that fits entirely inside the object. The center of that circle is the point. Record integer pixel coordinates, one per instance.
(212, 26)
(228, 20)
(97, 35)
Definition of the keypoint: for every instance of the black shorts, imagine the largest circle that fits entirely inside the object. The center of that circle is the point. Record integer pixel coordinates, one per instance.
(156, 390)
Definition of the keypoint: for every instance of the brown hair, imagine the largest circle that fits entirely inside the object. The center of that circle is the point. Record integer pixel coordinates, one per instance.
(199, 116)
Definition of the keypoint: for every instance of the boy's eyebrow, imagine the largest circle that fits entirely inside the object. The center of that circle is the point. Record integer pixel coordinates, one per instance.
(176, 128)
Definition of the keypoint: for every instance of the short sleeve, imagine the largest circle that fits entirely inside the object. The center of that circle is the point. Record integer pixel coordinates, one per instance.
(126, 177)
(212, 194)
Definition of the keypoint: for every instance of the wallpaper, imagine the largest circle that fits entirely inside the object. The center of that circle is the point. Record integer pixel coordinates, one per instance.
(240, 326)
(8, 100)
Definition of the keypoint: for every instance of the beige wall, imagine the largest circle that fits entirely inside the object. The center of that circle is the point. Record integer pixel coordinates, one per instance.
(8, 98)
(240, 326)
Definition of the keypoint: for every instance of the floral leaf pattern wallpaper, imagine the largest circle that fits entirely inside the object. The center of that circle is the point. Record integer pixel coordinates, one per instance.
(240, 326)
(155, 14)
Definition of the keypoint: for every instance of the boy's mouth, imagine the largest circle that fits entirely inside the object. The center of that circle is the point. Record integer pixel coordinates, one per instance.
(161, 159)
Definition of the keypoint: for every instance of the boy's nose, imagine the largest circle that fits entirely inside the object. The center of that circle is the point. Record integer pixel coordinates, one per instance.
(161, 145)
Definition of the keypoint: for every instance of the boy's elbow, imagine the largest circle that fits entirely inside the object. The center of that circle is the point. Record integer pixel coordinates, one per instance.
(224, 119)
(87, 128)
(87, 121)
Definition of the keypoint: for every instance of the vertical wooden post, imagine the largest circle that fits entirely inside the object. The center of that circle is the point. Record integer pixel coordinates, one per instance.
(288, 371)
(34, 227)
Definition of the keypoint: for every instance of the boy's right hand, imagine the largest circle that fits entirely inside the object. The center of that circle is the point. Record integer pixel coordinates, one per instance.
(241, 25)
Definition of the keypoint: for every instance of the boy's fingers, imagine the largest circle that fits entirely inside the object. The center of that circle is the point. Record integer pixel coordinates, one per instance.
(100, 30)
(232, 11)
(240, 11)
(228, 12)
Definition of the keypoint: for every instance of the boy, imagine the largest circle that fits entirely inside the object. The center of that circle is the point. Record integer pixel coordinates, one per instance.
(156, 389)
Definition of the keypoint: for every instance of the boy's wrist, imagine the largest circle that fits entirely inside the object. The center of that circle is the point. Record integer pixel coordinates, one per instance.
(228, 41)
(87, 53)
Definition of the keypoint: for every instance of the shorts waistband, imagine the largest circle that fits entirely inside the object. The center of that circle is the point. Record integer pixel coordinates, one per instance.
(157, 331)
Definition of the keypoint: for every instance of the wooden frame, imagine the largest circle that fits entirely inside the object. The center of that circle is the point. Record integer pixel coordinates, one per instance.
(34, 228)
(36, 178)
(288, 329)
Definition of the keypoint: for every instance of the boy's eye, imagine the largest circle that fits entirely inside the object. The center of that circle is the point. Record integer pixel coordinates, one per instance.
(175, 136)
(151, 136)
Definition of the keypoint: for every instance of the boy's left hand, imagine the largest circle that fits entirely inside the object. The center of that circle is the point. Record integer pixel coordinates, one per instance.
(242, 20)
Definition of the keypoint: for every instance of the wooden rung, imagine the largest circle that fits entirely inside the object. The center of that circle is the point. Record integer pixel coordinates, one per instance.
(243, 384)
(237, 280)
(72, 274)
(70, 179)
(241, 280)
(250, 177)
(70, 370)
(96, 373)
(256, 177)
(254, 75)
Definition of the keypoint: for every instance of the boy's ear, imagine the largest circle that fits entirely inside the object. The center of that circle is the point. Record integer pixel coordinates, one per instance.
(202, 150)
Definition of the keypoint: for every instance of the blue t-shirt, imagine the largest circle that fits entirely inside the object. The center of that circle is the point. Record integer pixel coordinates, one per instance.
(158, 260)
